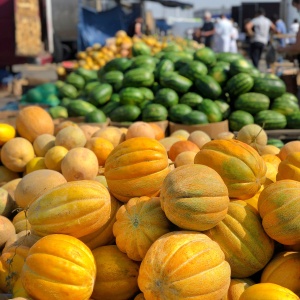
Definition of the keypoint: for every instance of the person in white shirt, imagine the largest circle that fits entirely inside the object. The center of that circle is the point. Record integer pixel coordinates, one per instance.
(259, 28)
(294, 30)
(234, 38)
(293, 49)
(223, 34)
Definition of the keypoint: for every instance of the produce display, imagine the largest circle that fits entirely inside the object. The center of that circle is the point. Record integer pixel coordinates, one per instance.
(91, 212)
(186, 85)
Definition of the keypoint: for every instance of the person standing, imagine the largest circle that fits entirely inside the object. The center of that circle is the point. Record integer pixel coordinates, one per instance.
(223, 34)
(234, 37)
(281, 29)
(135, 28)
(258, 29)
(208, 30)
(294, 28)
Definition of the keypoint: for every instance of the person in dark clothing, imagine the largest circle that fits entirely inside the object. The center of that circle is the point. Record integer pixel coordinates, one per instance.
(197, 35)
(135, 27)
(208, 30)
(260, 35)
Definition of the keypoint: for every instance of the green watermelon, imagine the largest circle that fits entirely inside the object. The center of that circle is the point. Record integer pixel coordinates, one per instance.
(140, 48)
(154, 113)
(120, 64)
(166, 97)
(76, 80)
(138, 77)
(175, 82)
(239, 84)
(289, 96)
(165, 65)
(211, 109)
(68, 91)
(206, 56)
(147, 93)
(224, 108)
(270, 119)
(219, 74)
(239, 119)
(208, 87)
(195, 117)
(275, 142)
(58, 112)
(193, 70)
(131, 95)
(95, 116)
(79, 108)
(191, 99)
(101, 94)
(284, 106)
(177, 111)
(125, 113)
(240, 66)
(293, 120)
(273, 88)
(114, 78)
(252, 102)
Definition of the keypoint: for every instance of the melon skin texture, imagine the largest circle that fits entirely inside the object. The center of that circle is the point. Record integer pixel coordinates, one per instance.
(75, 208)
(189, 262)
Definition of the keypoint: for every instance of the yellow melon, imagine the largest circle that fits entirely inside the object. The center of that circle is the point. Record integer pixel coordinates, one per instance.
(54, 157)
(16, 153)
(35, 184)
(43, 143)
(70, 137)
(79, 164)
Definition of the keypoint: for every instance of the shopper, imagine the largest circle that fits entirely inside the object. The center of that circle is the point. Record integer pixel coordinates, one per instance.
(234, 37)
(259, 28)
(197, 35)
(281, 29)
(136, 27)
(294, 28)
(293, 48)
(208, 30)
(223, 34)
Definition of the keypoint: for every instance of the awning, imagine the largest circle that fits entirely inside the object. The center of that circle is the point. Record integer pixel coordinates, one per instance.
(173, 3)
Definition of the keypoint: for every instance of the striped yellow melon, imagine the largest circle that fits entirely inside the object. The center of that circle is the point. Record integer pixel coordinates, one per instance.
(76, 208)
(242, 238)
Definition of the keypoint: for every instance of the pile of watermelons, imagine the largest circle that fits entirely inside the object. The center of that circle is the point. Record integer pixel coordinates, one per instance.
(188, 87)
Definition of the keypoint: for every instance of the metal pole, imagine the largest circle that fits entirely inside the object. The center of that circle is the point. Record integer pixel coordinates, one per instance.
(99, 5)
(50, 31)
(143, 14)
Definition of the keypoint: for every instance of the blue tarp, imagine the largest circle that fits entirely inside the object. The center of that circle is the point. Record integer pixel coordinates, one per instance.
(96, 27)
(162, 25)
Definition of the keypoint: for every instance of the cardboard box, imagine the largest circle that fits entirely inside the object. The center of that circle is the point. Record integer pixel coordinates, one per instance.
(212, 129)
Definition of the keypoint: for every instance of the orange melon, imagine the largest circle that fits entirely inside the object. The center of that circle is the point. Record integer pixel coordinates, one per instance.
(33, 121)
(180, 147)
